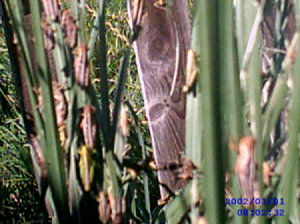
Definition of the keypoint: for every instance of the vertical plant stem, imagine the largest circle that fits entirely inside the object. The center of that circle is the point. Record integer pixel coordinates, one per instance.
(274, 107)
(14, 11)
(82, 20)
(253, 80)
(233, 109)
(74, 9)
(119, 93)
(194, 151)
(103, 73)
(212, 134)
(193, 111)
(53, 153)
(288, 185)
(93, 36)
(254, 96)
(243, 22)
(144, 156)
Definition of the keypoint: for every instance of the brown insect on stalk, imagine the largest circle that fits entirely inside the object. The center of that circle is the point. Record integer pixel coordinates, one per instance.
(185, 172)
(60, 102)
(61, 110)
(191, 71)
(246, 168)
(104, 209)
(60, 106)
(81, 68)
(47, 35)
(68, 24)
(51, 9)
(88, 126)
(118, 207)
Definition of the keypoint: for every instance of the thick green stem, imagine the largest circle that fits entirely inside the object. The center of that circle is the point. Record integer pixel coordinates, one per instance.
(211, 109)
(288, 186)
(53, 154)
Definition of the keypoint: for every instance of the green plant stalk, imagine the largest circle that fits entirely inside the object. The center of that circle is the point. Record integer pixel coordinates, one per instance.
(71, 118)
(251, 80)
(194, 151)
(288, 184)
(93, 36)
(59, 53)
(79, 14)
(103, 75)
(229, 70)
(114, 174)
(75, 191)
(256, 115)
(144, 156)
(53, 154)
(74, 9)
(243, 25)
(14, 10)
(275, 105)
(252, 40)
(177, 208)
(255, 111)
(194, 128)
(21, 60)
(145, 178)
(82, 21)
(119, 92)
(233, 109)
(212, 133)
(193, 110)
(99, 112)
(113, 169)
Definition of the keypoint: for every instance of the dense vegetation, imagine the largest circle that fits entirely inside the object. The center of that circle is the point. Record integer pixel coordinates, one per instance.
(245, 100)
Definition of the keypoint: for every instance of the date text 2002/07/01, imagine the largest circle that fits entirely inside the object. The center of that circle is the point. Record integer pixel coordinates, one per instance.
(254, 201)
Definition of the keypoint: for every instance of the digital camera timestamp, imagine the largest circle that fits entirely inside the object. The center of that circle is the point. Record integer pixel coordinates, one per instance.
(260, 212)
(254, 201)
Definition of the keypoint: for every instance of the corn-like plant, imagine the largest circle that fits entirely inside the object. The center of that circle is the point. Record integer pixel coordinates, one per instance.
(72, 135)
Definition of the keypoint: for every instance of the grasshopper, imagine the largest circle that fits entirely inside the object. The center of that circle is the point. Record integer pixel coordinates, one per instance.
(47, 35)
(81, 68)
(104, 207)
(85, 167)
(191, 71)
(246, 168)
(69, 25)
(88, 126)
